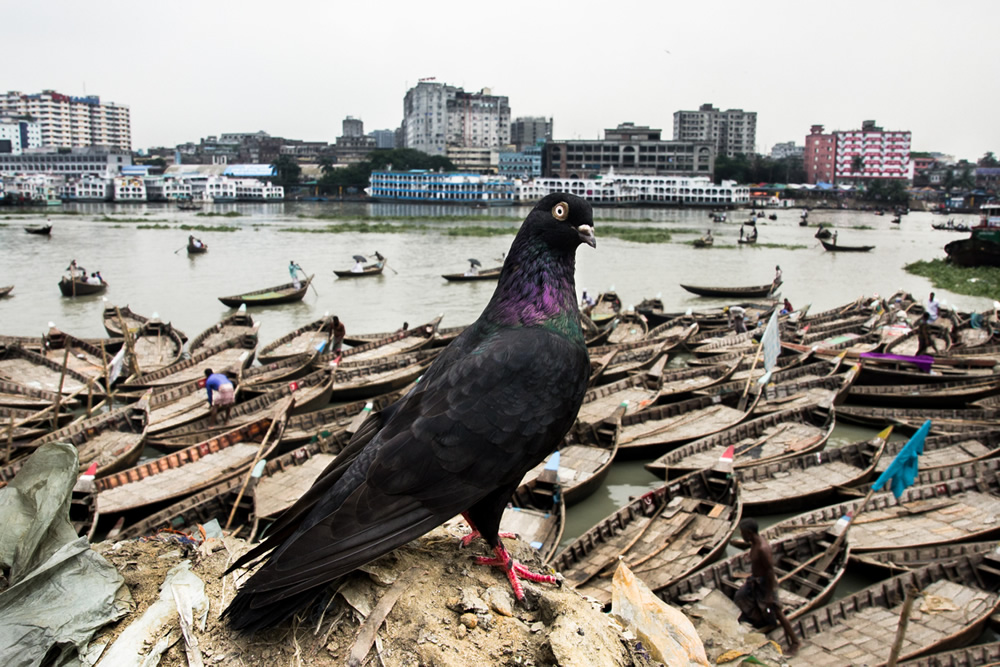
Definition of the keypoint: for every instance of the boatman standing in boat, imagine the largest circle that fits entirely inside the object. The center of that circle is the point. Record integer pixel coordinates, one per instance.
(758, 597)
(339, 332)
(224, 394)
(293, 270)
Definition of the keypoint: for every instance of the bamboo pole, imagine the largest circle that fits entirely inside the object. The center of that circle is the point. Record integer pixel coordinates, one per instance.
(10, 439)
(904, 620)
(90, 396)
(128, 342)
(279, 419)
(62, 379)
(746, 390)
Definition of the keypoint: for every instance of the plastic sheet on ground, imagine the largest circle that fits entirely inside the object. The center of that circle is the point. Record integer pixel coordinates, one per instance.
(665, 632)
(59, 590)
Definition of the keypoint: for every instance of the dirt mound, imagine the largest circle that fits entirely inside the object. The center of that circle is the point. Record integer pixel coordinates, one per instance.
(447, 611)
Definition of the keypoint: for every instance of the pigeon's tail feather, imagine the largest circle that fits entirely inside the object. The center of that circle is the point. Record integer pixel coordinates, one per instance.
(248, 614)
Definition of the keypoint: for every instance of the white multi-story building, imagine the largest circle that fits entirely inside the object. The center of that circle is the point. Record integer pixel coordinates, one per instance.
(86, 188)
(436, 116)
(18, 135)
(220, 188)
(75, 162)
(250, 189)
(128, 188)
(733, 131)
(872, 152)
(67, 121)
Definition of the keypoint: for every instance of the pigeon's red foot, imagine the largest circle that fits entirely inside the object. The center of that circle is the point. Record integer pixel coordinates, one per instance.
(467, 540)
(513, 569)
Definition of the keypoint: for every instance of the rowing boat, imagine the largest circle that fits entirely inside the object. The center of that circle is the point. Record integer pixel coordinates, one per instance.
(627, 328)
(748, 292)
(311, 391)
(952, 394)
(309, 338)
(954, 603)
(950, 510)
(636, 392)
(954, 420)
(238, 324)
(133, 320)
(182, 473)
(622, 363)
(951, 449)
(366, 381)
(230, 355)
(155, 346)
(40, 230)
(77, 287)
(776, 436)
(807, 481)
(891, 562)
(835, 247)
(336, 421)
(408, 340)
(269, 296)
(485, 274)
(606, 308)
(662, 536)
(5, 290)
(367, 271)
(34, 370)
(979, 655)
(537, 512)
(800, 589)
(585, 458)
(17, 395)
(289, 368)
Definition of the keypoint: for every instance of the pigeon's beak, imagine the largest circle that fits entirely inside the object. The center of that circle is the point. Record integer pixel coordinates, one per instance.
(586, 233)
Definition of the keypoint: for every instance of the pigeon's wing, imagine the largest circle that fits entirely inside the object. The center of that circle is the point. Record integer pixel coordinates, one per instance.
(478, 422)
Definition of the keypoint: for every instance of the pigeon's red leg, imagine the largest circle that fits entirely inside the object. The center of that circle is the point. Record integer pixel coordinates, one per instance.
(513, 569)
(467, 540)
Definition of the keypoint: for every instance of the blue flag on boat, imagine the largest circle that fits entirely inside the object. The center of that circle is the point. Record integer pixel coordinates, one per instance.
(903, 469)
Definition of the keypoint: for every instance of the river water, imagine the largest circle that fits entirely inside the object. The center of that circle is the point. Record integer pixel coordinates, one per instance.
(149, 270)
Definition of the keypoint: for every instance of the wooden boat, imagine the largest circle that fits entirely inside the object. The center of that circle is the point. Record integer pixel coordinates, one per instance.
(662, 428)
(676, 330)
(703, 242)
(77, 287)
(628, 328)
(638, 392)
(311, 391)
(196, 249)
(979, 655)
(244, 412)
(368, 271)
(309, 338)
(537, 512)
(269, 296)
(724, 344)
(891, 562)
(941, 451)
(188, 205)
(773, 437)
(289, 368)
(622, 363)
(284, 478)
(585, 458)
(17, 395)
(231, 355)
(173, 406)
(40, 230)
(686, 381)
(910, 419)
(39, 372)
(791, 393)
(908, 344)
(664, 535)
(29, 425)
(82, 356)
(239, 323)
(335, 421)
(409, 340)
(836, 247)
(156, 345)
(947, 511)
(113, 440)
(801, 587)
(367, 381)
(133, 320)
(807, 481)
(954, 394)
(5, 290)
(750, 292)
(190, 470)
(485, 274)
(605, 309)
(956, 600)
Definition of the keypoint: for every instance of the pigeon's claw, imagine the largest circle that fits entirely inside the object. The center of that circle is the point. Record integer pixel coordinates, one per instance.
(467, 540)
(513, 569)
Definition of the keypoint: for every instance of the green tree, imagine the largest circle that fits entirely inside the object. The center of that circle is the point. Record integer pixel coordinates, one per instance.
(965, 180)
(988, 160)
(857, 164)
(326, 165)
(286, 170)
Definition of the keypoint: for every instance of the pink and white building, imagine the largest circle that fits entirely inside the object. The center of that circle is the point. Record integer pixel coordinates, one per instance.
(884, 154)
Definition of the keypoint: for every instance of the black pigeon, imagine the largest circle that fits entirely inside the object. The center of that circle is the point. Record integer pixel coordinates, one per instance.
(493, 405)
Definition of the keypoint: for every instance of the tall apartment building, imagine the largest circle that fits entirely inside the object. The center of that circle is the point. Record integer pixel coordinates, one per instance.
(732, 131)
(529, 131)
(818, 155)
(353, 127)
(872, 152)
(72, 121)
(627, 149)
(786, 149)
(18, 135)
(436, 116)
(851, 155)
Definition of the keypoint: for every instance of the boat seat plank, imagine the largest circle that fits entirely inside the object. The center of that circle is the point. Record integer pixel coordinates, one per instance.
(279, 491)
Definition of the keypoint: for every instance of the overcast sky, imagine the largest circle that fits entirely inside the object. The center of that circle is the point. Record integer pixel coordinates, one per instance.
(188, 70)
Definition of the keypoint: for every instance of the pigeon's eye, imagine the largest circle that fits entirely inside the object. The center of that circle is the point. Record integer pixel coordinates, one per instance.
(560, 211)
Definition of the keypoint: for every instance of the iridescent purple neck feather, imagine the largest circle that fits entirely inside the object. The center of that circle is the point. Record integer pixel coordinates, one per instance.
(536, 286)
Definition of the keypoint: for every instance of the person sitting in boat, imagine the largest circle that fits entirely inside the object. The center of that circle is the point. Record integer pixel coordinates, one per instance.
(833, 241)
(359, 266)
(786, 307)
(736, 318)
(221, 386)
(586, 302)
(93, 279)
(195, 243)
(404, 328)
(293, 270)
(932, 308)
(757, 598)
(753, 235)
(473, 270)
(707, 238)
(339, 333)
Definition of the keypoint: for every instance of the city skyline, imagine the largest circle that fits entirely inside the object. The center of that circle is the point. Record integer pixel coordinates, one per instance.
(198, 70)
